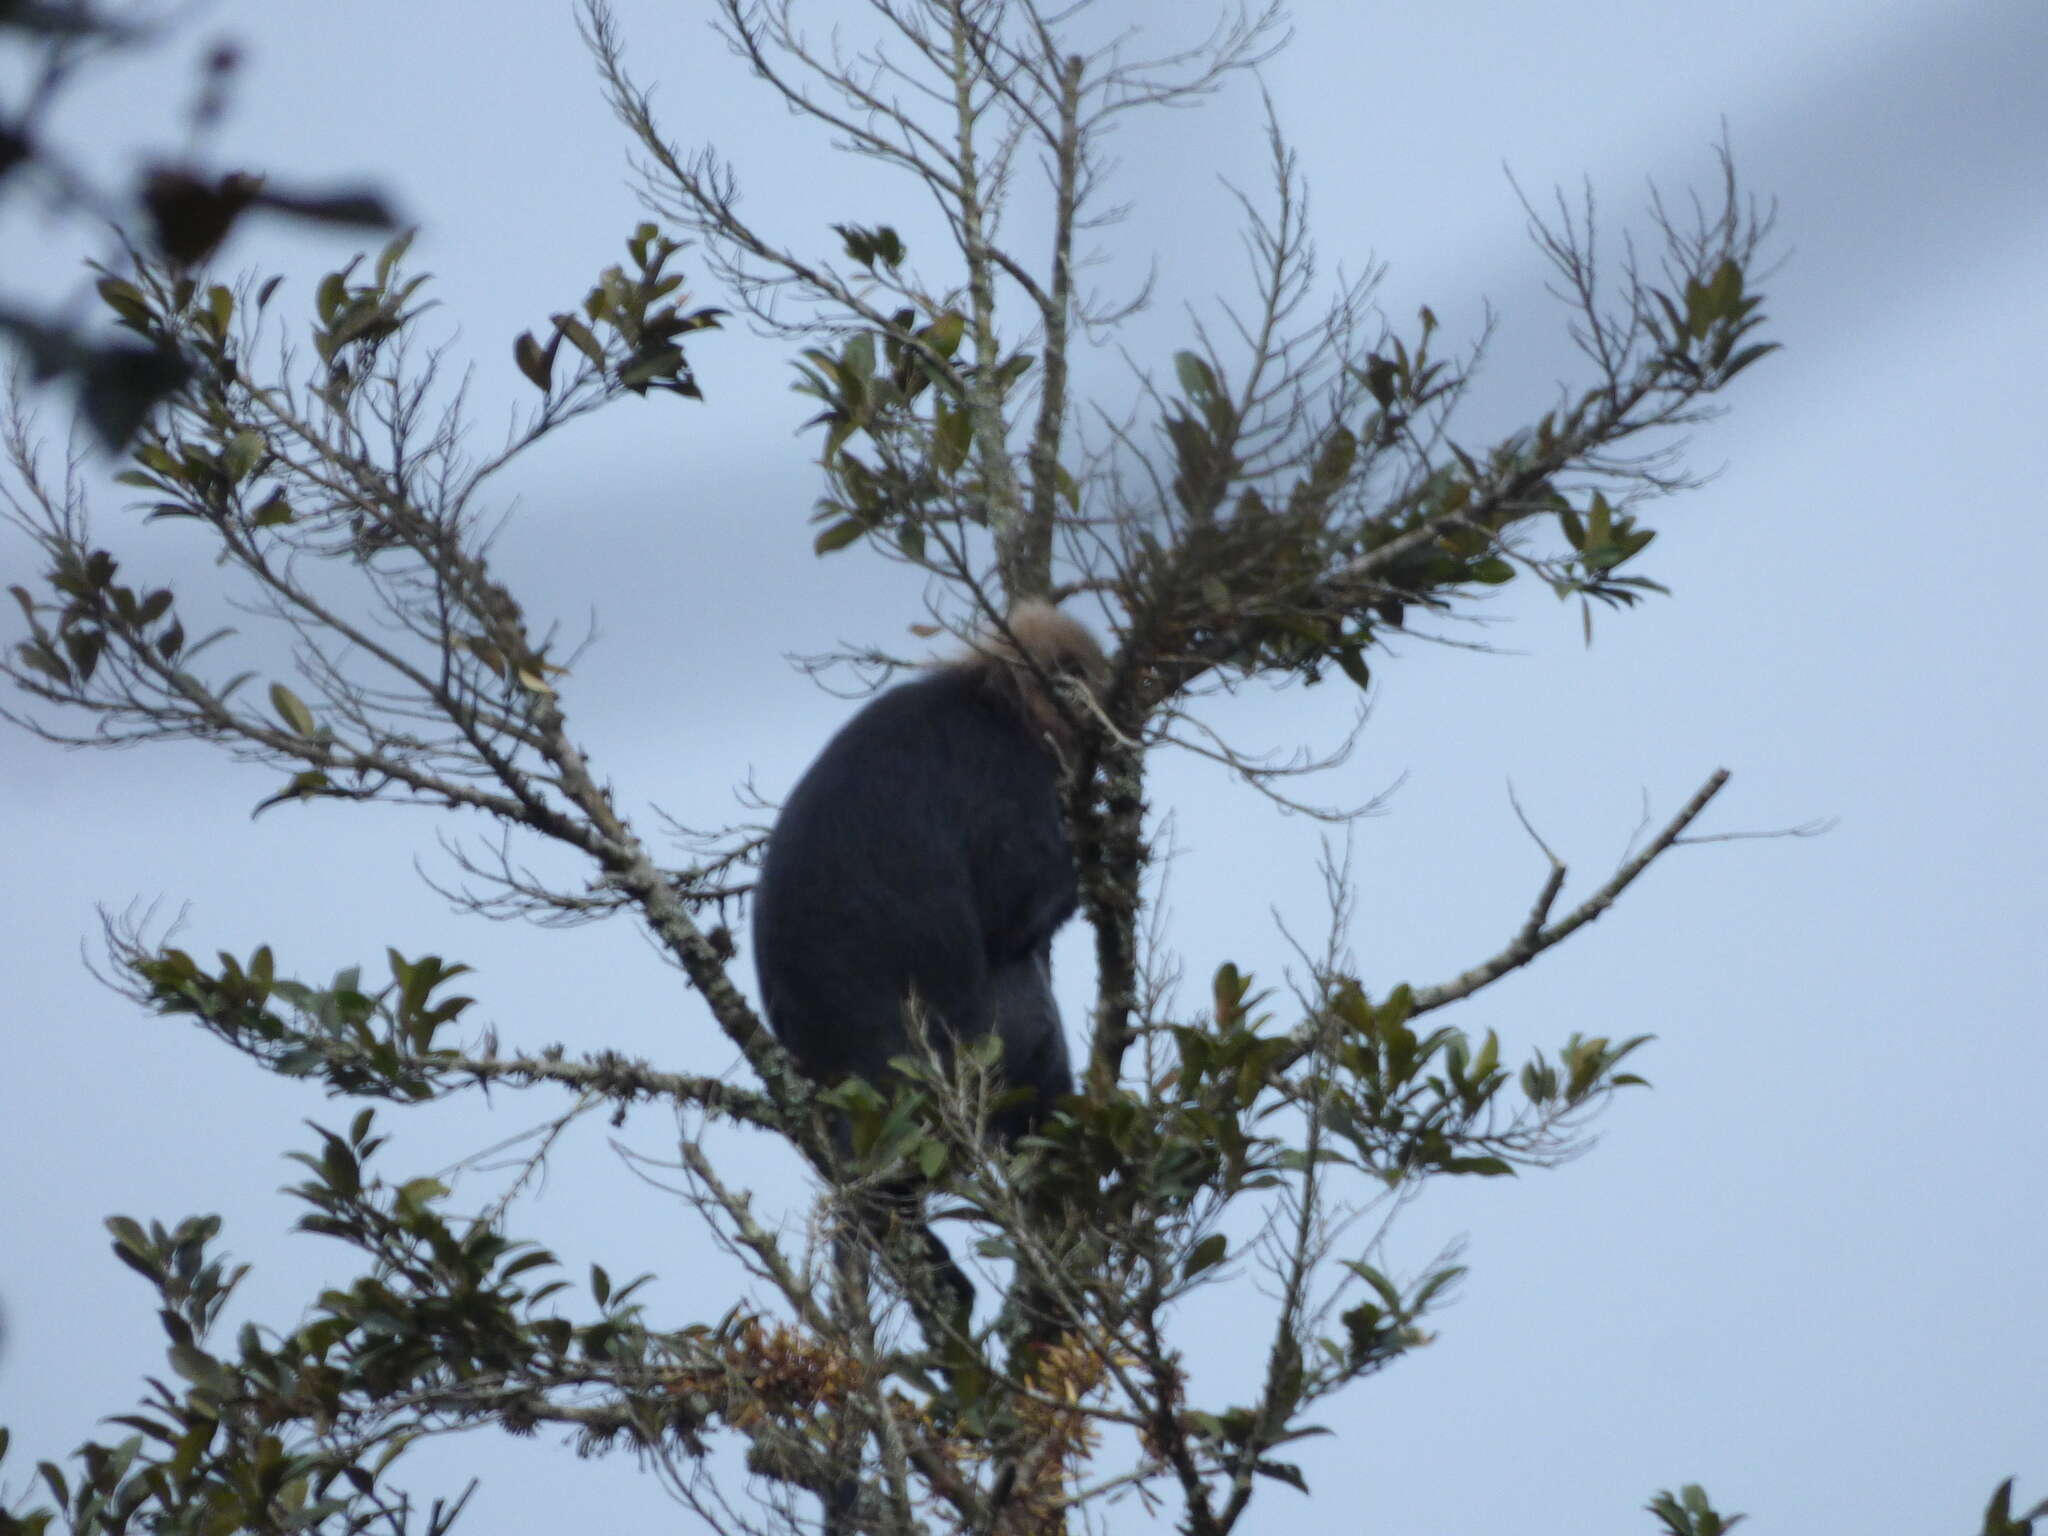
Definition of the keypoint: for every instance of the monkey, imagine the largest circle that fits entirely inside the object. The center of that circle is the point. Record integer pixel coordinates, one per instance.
(922, 860)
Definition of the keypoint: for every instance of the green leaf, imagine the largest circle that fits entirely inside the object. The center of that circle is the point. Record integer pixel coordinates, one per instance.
(856, 366)
(943, 334)
(838, 536)
(1339, 452)
(1487, 1167)
(1689, 1514)
(1012, 369)
(580, 337)
(85, 646)
(1282, 1471)
(1379, 378)
(951, 438)
(1748, 355)
(197, 1366)
(392, 254)
(329, 297)
(536, 363)
(418, 1193)
(291, 709)
(659, 363)
(1069, 487)
(243, 453)
(38, 657)
(1599, 519)
(126, 300)
(1725, 291)
(1207, 1254)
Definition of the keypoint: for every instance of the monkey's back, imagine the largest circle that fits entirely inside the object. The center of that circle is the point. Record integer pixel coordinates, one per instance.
(923, 851)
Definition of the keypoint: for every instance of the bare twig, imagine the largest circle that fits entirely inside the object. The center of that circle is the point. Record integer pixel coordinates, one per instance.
(1539, 933)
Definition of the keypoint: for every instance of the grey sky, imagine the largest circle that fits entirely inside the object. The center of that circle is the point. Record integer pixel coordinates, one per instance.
(1808, 1269)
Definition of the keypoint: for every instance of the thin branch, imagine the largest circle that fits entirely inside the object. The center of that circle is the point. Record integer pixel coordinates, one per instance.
(1539, 934)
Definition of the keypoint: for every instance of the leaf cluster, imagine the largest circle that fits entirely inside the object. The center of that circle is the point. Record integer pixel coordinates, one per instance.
(645, 353)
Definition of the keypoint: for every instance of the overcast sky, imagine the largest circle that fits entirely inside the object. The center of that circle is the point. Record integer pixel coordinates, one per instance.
(1808, 1269)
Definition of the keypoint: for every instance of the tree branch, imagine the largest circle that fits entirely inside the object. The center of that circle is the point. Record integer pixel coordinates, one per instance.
(1539, 934)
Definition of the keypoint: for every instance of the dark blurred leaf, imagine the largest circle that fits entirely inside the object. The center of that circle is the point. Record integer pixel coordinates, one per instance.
(14, 145)
(192, 216)
(360, 207)
(50, 351)
(120, 385)
(60, 20)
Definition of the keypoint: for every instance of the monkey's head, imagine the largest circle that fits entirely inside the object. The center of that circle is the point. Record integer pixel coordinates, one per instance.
(1047, 665)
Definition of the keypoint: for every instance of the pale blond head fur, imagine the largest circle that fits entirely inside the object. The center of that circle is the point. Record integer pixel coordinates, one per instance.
(1035, 652)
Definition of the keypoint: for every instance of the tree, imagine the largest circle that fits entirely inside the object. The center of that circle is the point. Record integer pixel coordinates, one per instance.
(1296, 491)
